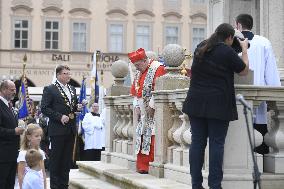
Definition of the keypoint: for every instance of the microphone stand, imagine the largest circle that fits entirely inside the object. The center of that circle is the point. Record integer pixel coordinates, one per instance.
(256, 173)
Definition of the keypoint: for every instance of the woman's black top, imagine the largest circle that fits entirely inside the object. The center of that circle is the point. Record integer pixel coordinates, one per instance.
(211, 92)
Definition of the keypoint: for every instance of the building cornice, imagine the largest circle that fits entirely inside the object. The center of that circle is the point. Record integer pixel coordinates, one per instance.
(16, 7)
(200, 14)
(147, 12)
(52, 8)
(120, 11)
(80, 10)
(176, 14)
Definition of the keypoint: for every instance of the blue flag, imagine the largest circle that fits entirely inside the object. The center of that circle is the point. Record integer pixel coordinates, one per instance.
(23, 105)
(81, 98)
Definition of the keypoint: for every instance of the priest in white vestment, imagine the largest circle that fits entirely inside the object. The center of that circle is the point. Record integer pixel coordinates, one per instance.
(263, 63)
(93, 128)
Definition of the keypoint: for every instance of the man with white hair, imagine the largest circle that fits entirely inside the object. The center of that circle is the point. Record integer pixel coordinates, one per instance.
(9, 136)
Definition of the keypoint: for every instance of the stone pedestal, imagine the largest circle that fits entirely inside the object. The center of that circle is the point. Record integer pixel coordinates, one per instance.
(274, 162)
(117, 103)
(161, 141)
(110, 122)
(167, 82)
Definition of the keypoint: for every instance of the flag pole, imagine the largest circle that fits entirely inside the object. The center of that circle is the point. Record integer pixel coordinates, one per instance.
(76, 134)
(94, 76)
(24, 81)
(26, 86)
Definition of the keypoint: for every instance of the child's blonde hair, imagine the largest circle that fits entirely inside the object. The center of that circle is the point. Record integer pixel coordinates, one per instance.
(31, 128)
(33, 158)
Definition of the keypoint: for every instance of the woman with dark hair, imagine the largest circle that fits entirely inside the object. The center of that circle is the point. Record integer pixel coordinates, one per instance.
(210, 102)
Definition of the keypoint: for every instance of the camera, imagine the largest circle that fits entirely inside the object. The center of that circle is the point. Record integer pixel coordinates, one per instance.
(236, 44)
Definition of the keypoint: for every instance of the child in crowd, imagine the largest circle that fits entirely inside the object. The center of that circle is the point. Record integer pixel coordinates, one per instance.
(33, 177)
(30, 140)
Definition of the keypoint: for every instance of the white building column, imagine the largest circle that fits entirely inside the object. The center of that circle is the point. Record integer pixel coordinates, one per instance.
(272, 27)
(220, 11)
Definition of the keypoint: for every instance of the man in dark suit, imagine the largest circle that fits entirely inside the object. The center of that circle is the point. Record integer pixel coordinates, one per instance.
(59, 103)
(9, 136)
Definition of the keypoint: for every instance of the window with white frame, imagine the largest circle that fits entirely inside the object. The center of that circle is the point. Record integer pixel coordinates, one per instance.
(21, 33)
(172, 2)
(116, 37)
(198, 35)
(143, 36)
(198, 1)
(51, 35)
(79, 36)
(171, 35)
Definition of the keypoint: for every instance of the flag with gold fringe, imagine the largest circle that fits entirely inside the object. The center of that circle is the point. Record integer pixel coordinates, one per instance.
(24, 105)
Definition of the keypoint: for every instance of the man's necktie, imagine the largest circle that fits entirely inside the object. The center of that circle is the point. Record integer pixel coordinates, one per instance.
(10, 106)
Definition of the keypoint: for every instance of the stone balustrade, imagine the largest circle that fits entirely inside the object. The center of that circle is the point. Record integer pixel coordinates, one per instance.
(119, 129)
(173, 137)
(123, 129)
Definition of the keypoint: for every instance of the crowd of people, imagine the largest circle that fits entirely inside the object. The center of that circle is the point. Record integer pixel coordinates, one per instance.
(210, 105)
(45, 141)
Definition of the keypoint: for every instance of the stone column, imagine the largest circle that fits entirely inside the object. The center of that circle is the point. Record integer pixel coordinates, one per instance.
(119, 70)
(221, 11)
(274, 161)
(272, 27)
(173, 56)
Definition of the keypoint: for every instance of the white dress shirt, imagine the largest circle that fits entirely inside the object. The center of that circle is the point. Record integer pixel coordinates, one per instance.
(262, 62)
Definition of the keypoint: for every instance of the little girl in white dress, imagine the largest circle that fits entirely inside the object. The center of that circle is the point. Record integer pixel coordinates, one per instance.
(30, 140)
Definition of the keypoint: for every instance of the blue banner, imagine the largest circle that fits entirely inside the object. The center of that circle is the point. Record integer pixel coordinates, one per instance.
(82, 97)
(23, 106)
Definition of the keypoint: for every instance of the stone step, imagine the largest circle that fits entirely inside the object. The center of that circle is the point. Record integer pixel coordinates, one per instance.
(123, 178)
(81, 180)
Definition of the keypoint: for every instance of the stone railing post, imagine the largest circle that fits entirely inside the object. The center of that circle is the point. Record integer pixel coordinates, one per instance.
(119, 70)
(174, 56)
(274, 161)
(238, 164)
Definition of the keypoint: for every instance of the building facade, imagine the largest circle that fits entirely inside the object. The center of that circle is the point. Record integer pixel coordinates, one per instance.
(52, 32)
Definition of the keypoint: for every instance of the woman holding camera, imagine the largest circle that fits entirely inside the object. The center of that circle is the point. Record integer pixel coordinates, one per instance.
(210, 102)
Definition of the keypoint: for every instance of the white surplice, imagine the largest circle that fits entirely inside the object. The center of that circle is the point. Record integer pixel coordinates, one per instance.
(93, 132)
(262, 62)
